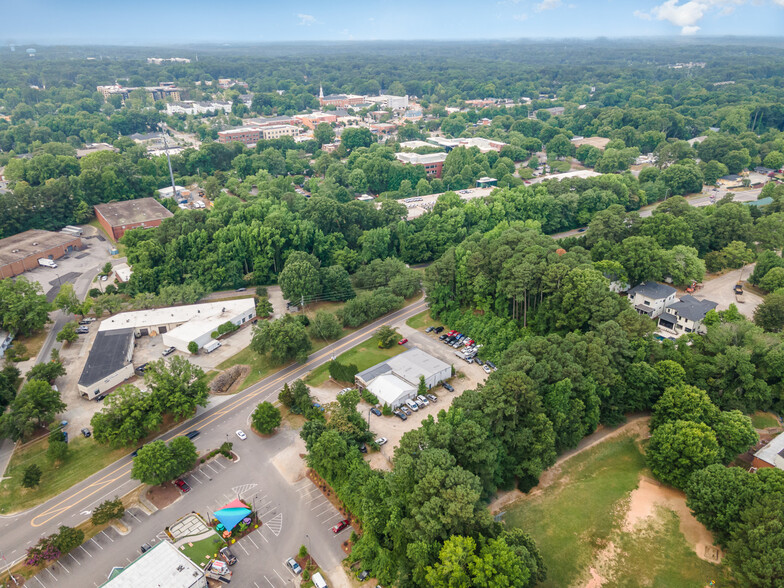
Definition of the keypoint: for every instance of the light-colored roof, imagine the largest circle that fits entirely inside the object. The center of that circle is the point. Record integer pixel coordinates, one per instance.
(197, 313)
(414, 363)
(416, 158)
(415, 144)
(163, 565)
(123, 271)
(128, 212)
(32, 242)
(773, 452)
(391, 390)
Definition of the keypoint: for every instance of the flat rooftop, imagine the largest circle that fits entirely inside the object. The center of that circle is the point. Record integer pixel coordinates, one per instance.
(416, 158)
(32, 242)
(133, 211)
(176, 314)
(163, 565)
(108, 354)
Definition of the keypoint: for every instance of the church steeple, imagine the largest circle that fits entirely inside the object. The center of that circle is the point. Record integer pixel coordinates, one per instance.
(321, 91)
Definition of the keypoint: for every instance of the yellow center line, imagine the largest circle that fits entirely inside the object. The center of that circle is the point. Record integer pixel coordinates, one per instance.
(247, 395)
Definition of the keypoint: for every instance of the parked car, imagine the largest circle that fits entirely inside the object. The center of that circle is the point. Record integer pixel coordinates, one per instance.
(486, 368)
(168, 351)
(65, 436)
(432, 397)
(447, 386)
(86, 432)
(405, 410)
(439, 329)
(363, 575)
(442, 337)
(292, 564)
(145, 547)
(82, 330)
(240, 289)
(363, 448)
(401, 415)
(492, 365)
(182, 485)
(402, 342)
(340, 526)
(228, 556)
(430, 329)
(381, 441)
(375, 411)
(141, 368)
(412, 405)
(192, 434)
(85, 322)
(422, 400)
(241, 434)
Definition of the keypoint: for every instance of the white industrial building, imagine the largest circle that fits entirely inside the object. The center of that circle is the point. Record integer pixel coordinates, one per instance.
(179, 325)
(396, 380)
(163, 565)
(109, 363)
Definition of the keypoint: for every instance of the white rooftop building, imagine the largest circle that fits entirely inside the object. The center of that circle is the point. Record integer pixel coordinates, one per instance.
(179, 325)
(163, 565)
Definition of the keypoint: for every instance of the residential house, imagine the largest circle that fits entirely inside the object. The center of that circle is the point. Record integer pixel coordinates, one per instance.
(686, 315)
(651, 298)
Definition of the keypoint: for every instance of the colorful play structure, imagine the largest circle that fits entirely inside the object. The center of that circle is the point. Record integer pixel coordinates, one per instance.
(230, 516)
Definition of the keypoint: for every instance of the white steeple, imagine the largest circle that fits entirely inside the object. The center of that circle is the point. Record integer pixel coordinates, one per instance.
(321, 91)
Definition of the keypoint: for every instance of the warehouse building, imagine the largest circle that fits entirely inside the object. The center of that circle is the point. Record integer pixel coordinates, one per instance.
(118, 217)
(179, 325)
(109, 363)
(396, 380)
(162, 565)
(20, 253)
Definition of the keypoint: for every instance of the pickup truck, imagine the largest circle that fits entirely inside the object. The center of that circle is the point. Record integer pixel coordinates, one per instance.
(218, 570)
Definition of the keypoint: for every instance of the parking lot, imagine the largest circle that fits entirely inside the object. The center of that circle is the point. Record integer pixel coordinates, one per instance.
(720, 289)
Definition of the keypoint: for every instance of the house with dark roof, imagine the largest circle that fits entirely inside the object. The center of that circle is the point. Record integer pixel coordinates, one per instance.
(108, 364)
(651, 298)
(686, 315)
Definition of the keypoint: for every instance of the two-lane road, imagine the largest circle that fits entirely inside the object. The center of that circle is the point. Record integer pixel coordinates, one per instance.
(70, 506)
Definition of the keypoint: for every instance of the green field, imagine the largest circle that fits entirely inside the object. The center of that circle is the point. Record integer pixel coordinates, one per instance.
(422, 321)
(363, 356)
(259, 366)
(203, 551)
(581, 512)
(763, 420)
(85, 457)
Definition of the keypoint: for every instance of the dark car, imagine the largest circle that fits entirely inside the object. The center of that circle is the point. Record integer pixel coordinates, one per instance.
(581, 230)
(86, 432)
(192, 434)
(447, 386)
(65, 436)
(363, 448)
(85, 322)
(141, 368)
(145, 547)
(492, 365)
(439, 329)
(375, 411)
(442, 337)
(479, 361)
(182, 485)
(400, 415)
(136, 452)
(100, 397)
(430, 329)
(363, 575)
(228, 556)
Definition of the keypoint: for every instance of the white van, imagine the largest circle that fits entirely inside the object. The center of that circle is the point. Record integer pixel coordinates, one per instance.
(46, 263)
(412, 405)
(318, 580)
(211, 346)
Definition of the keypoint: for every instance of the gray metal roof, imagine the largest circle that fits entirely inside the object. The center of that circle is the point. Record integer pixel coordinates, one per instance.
(407, 366)
(653, 290)
(668, 317)
(108, 354)
(691, 308)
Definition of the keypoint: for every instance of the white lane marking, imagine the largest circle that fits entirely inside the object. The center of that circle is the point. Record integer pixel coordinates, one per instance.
(51, 574)
(39, 581)
(107, 536)
(87, 552)
(98, 544)
(73, 558)
(270, 583)
(278, 575)
(66, 569)
(320, 504)
(252, 541)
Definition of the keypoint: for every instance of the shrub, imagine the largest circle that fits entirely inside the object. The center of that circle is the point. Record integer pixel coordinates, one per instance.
(266, 418)
(193, 347)
(342, 372)
(303, 551)
(369, 397)
(386, 410)
(31, 476)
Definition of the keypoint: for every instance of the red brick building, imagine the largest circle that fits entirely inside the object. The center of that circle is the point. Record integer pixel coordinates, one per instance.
(20, 253)
(118, 217)
(432, 162)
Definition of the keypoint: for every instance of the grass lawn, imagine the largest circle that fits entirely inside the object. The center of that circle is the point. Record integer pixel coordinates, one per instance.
(259, 366)
(422, 321)
(763, 420)
(363, 356)
(33, 342)
(203, 551)
(581, 512)
(85, 457)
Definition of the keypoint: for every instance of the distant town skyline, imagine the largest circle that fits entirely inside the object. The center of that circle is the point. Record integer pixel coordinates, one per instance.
(177, 22)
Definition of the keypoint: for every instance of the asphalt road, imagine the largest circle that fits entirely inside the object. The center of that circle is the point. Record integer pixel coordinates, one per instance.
(216, 423)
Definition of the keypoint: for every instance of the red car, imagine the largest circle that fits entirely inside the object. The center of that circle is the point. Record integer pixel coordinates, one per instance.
(340, 526)
(402, 342)
(182, 485)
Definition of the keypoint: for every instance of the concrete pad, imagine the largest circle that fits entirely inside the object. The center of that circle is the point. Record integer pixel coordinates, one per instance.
(289, 463)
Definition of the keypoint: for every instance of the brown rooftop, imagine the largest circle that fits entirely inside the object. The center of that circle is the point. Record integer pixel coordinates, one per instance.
(32, 242)
(129, 212)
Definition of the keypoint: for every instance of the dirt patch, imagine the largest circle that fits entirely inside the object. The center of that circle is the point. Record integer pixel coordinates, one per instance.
(643, 504)
(379, 461)
(163, 495)
(229, 380)
(637, 426)
(289, 463)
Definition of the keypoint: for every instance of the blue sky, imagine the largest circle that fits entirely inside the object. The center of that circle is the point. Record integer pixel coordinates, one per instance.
(181, 21)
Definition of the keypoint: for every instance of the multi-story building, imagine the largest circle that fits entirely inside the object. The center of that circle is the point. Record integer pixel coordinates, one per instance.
(156, 92)
(686, 315)
(651, 298)
(192, 107)
(432, 162)
(271, 121)
(251, 135)
(339, 100)
(277, 131)
(388, 101)
(118, 217)
(315, 118)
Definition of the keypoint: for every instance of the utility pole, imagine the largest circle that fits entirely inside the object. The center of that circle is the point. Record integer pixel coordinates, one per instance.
(168, 160)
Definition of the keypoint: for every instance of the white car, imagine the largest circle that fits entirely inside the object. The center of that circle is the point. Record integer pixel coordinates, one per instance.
(241, 434)
(381, 441)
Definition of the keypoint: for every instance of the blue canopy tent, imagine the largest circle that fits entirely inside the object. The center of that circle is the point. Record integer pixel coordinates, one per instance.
(231, 514)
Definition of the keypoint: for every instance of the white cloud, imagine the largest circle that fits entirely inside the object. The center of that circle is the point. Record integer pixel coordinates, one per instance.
(306, 19)
(548, 5)
(520, 17)
(687, 15)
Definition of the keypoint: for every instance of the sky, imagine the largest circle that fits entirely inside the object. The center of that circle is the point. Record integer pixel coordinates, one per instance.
(148, 22)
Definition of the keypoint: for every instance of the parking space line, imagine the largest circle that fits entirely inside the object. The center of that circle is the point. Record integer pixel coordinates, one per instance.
(192, 476)
(98, 544)
(328, 505)
(262, 535)
(39, 581)
(243, 549)
(278, 575)
(73, 558)
(66, 569)
(87, 552)
(270, 583)
(256, 585)
(337, 514)
(107, 536)
(320, 504)
(212, 468)
(51, 574)
(303, 484)
(252, 541)
(134, 516)
(217, 462)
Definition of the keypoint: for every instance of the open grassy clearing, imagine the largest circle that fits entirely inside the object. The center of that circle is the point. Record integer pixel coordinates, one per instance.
(763, 420)
(32, 343)
(577, 522)
(422, 321)
(364, 355)
(203, 551)
(85, 457)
